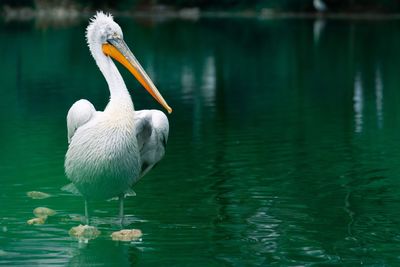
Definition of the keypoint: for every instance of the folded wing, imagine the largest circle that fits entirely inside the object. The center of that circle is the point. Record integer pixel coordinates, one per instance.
(152, 130)
(81, 112)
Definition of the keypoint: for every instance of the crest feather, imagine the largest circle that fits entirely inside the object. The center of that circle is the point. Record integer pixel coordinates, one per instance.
(99, 18)
(100, 15)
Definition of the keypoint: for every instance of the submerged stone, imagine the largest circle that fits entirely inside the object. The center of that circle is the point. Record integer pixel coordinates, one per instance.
(71, 218)
(39, 220)
(127, 235)
(37, 195)
(43, 212)
(84, 232)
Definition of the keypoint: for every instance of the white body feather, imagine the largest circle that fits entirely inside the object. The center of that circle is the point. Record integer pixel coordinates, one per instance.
(152, 130)
(79, 114)
(110, 151)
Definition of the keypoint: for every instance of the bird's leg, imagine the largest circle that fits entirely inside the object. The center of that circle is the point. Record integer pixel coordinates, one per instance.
(86, 212)
(121, 209)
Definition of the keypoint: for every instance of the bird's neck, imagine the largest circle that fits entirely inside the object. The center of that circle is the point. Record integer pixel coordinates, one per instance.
(119, 96)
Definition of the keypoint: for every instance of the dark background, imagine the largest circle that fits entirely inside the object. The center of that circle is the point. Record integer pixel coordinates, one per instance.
(384, 6)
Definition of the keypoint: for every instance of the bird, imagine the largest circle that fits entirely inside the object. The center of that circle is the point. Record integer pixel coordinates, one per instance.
(110, 150)
(320, 6)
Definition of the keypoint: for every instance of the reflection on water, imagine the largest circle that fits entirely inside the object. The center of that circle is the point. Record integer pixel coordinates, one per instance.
(283, 146)
(208, 85)
(379, 97)
(319, 26)
(358, 103)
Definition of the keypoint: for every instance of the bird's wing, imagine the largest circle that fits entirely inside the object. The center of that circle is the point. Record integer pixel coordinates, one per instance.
(152, 130)
(79, 114)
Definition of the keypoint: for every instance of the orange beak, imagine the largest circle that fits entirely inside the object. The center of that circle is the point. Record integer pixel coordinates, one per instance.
(118, 50)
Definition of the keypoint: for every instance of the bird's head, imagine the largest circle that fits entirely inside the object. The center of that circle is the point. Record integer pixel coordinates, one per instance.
(102, 27)
(105, 36)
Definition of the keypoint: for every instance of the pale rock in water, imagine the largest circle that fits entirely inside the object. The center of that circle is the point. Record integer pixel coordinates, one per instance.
(39, 220)
(43, 212)
(37, 195)
(127, 235)
(84, 232)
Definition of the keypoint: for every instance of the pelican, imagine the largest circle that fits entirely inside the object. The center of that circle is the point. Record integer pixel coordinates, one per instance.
(320, 6)
(110, 150)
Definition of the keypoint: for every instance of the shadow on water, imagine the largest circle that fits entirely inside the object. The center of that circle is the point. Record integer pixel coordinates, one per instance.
(282, 146)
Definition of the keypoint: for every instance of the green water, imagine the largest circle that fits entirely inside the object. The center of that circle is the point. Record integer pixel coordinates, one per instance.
(284, 144)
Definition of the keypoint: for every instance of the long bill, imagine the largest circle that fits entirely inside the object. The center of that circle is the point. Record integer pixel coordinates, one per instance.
(117, 49)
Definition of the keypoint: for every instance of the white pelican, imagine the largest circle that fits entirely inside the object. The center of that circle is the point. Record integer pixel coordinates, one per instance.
(320, 6)
(110, 150)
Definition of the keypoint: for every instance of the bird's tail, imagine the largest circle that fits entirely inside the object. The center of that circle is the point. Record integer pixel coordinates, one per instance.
(71, 188)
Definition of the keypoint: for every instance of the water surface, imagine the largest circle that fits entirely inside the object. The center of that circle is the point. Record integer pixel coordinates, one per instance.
(283, 149)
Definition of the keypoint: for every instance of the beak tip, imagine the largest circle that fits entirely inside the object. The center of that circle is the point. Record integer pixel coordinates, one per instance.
(169, 110)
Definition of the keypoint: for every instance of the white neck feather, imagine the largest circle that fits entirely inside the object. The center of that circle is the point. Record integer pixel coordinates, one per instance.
(96, 33)
(119, 94)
